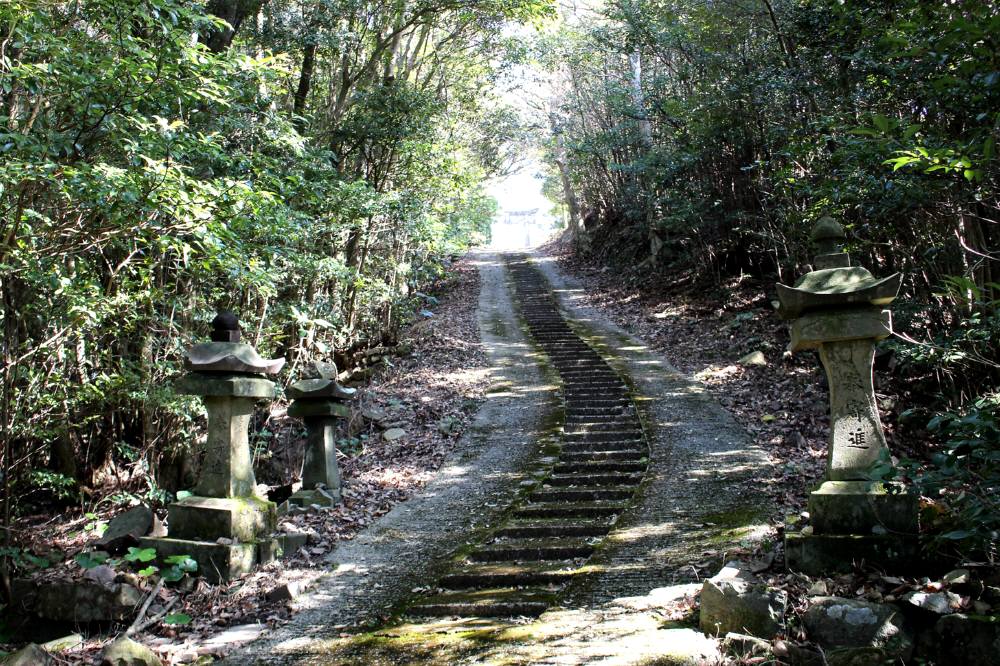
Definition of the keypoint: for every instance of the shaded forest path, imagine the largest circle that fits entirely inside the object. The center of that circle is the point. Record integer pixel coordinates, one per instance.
(595, 486)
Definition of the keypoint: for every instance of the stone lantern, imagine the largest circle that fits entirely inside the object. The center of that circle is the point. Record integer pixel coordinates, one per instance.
(225, 526)
(838, 309)
(319, 402)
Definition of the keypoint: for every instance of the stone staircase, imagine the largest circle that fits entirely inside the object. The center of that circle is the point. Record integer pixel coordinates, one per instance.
(584, 486)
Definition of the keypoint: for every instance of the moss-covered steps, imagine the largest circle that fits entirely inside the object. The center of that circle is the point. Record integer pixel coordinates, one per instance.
(521, 567)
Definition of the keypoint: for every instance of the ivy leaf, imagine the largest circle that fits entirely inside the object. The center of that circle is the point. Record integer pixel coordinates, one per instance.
(90, 560)
(140, 554)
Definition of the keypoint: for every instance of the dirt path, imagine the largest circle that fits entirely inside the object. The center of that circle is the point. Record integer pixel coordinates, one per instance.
(631, 601)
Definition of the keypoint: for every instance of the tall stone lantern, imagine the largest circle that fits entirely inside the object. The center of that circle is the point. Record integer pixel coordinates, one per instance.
(225, 526)
(838, 309)
(319, 401)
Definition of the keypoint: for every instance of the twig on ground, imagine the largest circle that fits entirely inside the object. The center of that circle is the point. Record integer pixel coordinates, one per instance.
(145, 607)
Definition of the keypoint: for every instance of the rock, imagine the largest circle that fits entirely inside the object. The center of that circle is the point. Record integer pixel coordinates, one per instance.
(753, 358)
(858, 628)
(291, 542)
(30, 655)
(286, 592)
(392, 434)
(941, 603)
(374, 414)
(157, 529)
(969, 640)
(735, 601)
(742, 646)
(125, 529)
(956, 576)
(64, 643)
(126, 652)
(818, 589)
(84, 601)
(102, 574)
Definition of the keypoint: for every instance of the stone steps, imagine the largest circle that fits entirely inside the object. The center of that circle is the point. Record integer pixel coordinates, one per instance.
(502, 575)
(599, 466)
(601, 461)
(570, 509)
(587, 494)
(591, 446)
(520, 550)
(485, 603)
(558, 527)
(603, 455)
(592, 479)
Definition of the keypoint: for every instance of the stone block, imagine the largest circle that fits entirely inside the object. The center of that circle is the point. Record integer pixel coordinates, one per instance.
(811, 330)
(969, 640)
(836, 624)
(227, 469)
(291, 542)
(209, 518)
(216, 562)
(824, 554)
(320, 496)
(78, 601)
(64, 643)
(223, 385)
(268, 550)
(303, 408)
(320, 467)
(855, 507)
(735, 601)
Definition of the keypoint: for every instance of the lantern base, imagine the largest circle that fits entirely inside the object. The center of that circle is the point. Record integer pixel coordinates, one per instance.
(216, 562)
(824, 554)
(863, 508)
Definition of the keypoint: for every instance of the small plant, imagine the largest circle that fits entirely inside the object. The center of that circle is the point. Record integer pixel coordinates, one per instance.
(23, 559)
(96, 526)
(61, 486)
(177, 619)
(92, 559)
(961, 479)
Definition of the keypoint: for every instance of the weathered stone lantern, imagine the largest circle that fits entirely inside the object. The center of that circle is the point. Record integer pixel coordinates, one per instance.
(225, 526)
(837, 309)
(319, 401)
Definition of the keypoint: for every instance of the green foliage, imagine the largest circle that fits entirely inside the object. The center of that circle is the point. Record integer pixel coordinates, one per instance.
(962, 478)
(707, 138)
(147, 180)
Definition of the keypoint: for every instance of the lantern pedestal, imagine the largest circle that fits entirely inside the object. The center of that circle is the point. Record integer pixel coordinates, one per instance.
(319, 402)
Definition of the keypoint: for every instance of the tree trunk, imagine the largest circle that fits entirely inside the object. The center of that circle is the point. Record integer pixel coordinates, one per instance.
(233, 12)
(305, 81)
